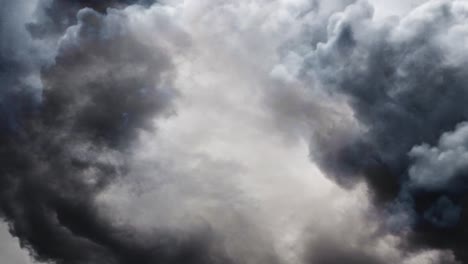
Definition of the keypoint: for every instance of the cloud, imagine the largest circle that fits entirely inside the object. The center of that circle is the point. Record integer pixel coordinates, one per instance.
(104, 86)
(441, 167)
(10, 249)
(210, 131)
(403, 81)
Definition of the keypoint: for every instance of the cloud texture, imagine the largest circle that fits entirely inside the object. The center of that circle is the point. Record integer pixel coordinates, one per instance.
(289, 131)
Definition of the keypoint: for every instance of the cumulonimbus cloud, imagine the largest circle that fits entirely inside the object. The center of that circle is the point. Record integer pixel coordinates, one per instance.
(189, 132)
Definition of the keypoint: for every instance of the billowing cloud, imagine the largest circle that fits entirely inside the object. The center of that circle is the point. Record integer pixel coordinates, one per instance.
(403, 83)
(104, 85)
(305, 132)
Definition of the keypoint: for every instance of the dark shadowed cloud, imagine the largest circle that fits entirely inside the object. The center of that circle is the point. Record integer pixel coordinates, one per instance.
(405, 83)
(198, 132)
(103, 86)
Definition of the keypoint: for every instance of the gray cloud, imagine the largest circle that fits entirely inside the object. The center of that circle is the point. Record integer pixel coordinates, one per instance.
(404, 81)
(104, 86)
(329, 252)
(441, 167)
(138, 132)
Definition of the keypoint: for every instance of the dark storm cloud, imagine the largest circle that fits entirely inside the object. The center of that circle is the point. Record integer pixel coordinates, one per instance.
(332, 252)
(79, 84)
(406, 82)
(103, 87)
(19, 62)
(55, 16)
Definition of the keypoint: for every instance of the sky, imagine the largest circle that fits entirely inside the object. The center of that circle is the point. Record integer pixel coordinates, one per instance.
(394, 8)
(250, 131)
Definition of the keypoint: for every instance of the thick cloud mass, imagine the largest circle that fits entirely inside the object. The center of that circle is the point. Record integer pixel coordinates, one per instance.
(405, 81)
(288, 131)
(103, 87)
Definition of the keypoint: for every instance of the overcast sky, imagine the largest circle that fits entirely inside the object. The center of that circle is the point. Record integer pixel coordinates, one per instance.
(251, 131)
(388, 8)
